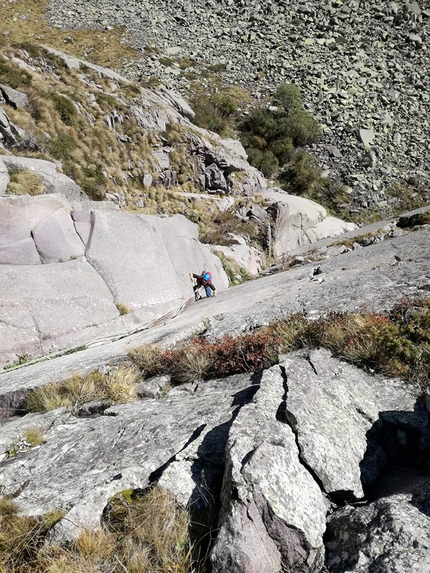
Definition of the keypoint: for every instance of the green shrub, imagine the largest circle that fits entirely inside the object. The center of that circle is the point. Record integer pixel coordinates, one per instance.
(12, 76)
(271, 134)
(217, 230)
(302, 174)
(64, 107)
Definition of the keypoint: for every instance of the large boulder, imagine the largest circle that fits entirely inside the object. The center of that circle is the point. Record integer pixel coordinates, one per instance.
(332, 407)
(298, 221)
(391, 534)
(248, 258)
(56, 238)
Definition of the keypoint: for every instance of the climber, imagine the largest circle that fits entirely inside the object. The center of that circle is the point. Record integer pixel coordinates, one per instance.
(205, 280)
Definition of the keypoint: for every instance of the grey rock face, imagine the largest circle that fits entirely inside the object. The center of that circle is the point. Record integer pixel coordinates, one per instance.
(8, 131)
(332, 406)
(137, 255)
(142, 262)
(267, 493)
(391, 534)
(120, 450)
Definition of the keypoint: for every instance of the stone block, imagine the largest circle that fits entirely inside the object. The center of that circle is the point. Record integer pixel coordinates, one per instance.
(83, 221)
(56, 238)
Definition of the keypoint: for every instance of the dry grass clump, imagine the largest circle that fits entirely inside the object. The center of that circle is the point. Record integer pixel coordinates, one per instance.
(122, 308)
(32, 437)
(397, 344)
(24, 182)
(142, 534)
(21, 538)
(117, 385)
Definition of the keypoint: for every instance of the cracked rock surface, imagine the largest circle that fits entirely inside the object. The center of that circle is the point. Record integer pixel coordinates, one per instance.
(233, 444)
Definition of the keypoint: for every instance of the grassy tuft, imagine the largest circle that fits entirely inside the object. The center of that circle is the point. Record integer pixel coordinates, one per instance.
(117, 385)
(25, 181)
(122, 308)
(141, 534)
(22, 538)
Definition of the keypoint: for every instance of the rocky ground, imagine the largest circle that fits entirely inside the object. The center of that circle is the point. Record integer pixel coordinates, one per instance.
(360, 65)
(284, 484)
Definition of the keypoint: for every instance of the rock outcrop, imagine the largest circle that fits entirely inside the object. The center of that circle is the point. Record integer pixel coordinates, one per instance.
(297, 221)
(65, 273)
(274, 450)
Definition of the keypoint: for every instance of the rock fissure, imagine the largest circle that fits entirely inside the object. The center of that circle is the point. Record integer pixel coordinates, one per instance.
(286, 417)
(35, 246)
(155, 476)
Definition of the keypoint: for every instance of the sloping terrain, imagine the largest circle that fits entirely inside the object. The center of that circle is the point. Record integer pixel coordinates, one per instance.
(359, 65)
(285, 463)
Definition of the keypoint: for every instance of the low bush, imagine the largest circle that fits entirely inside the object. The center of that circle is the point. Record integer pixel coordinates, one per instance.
(65, 107)
(217, 229)
(397, 344)
(118, 385)
(214, 112)
(302, 175)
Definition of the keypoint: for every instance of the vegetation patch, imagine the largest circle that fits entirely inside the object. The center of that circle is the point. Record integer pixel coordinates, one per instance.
(122, 308)
(24, 182)
(146, 533)
(397, 344)
(118, 385)
(32, 437)
(22, 538)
